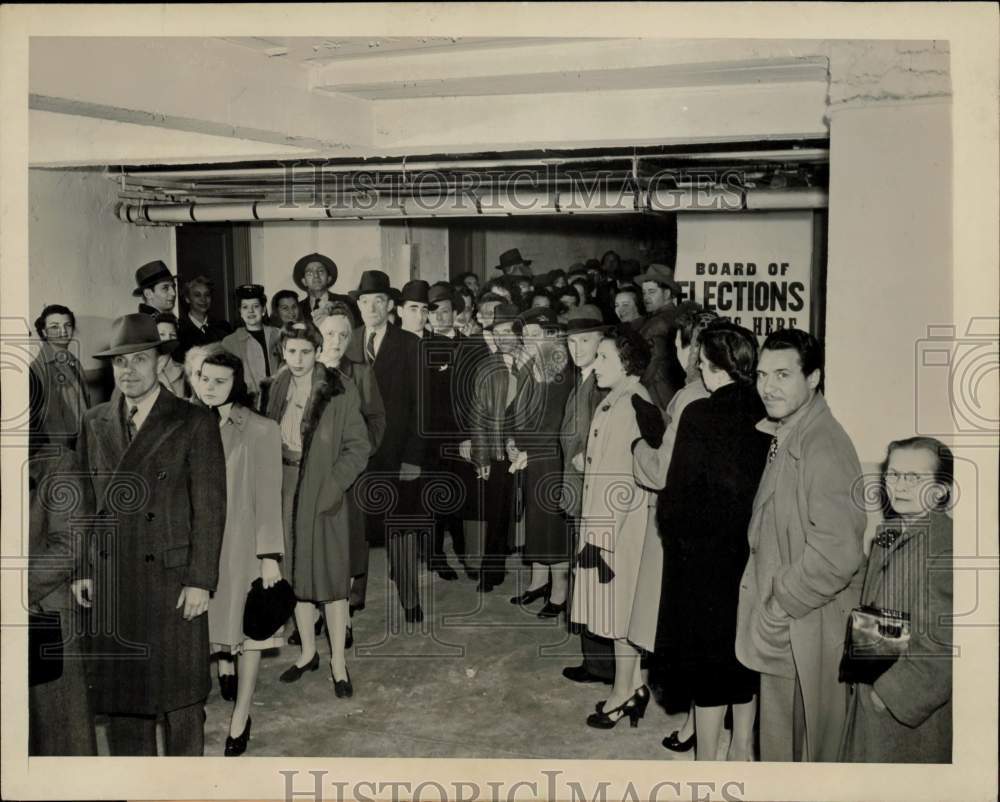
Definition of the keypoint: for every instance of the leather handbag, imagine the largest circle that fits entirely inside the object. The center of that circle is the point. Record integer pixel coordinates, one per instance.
(874, 640)
(45, 647)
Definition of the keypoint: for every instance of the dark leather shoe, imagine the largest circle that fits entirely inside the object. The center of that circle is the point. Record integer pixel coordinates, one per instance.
(294, 672)
(342, 687)
(551, 610)
(530, 596)
(227, 686)
(446, 572)
(414, 615)
(582, 674)
(484, 586)
(672, 743)
(355, 608)
(237, 746)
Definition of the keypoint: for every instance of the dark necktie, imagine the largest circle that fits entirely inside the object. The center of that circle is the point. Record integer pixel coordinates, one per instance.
(772, 450)
(370, 349)
(130, 426)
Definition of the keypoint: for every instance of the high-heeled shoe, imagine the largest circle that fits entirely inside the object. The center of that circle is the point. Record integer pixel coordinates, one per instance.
(634, 708)
(532, 595)
(227, 687)
(551, 610)
(343, 688)
(237, 746)
(294, 672)
(674, 744)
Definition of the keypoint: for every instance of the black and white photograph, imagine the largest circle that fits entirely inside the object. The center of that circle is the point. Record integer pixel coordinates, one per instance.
(500, 401)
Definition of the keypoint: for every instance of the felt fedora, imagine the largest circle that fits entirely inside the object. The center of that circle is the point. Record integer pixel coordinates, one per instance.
(585, 318)
(444, 292)
(298, 272)
(505, 313)
(150, 274)
(661, 274)
(135, 332)
(541, 316)
(374, 281)
(513, 264)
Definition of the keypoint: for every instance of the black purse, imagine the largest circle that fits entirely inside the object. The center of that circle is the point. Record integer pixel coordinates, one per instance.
(874, 641)
(45, 647)
(266, 610)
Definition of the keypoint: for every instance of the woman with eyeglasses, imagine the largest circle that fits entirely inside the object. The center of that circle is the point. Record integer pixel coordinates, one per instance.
(57, 386)
(904, 714)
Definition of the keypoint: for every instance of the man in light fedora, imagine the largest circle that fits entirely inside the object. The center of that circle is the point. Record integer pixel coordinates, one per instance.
(156, 286)
(660, 294)
(315, 274)
(394, 356)
(512, 264)
(155, 478)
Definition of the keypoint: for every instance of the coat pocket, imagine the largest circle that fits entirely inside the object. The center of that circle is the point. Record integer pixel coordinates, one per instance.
(177, 557)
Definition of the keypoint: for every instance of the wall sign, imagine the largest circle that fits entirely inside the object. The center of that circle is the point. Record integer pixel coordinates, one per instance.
(754, 268)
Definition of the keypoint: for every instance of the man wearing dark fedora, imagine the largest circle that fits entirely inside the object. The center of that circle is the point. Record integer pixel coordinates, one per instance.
(394, 356)
(155, 285)
(155, 481)
(513, 264)
(660, 293)
(315, 274)
(585, 328)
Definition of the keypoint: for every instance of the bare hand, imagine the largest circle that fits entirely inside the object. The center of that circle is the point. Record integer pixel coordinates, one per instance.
(877, 701)
(408, 472)
(578, 462)
(83, 592)
(194, 601)
(465, 450)
(270, 573)
(483, 473)
(519, 463)
(512, 451)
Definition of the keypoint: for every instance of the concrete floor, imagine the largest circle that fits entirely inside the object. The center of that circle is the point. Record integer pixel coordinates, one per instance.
(479, 678)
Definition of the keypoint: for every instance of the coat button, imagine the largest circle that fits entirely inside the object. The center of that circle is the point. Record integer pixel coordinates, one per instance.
(161, 475)
(150, 516)
(589, 460)
(150, 558)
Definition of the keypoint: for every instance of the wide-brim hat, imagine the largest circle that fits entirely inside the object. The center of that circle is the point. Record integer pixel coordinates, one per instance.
(443, 292)
(416, 291)
(585, 318)
(541, 316)
(661, 274)
(505, 313)
(133, 333)
(373, 281)
(149, 274)
(510, 260)
(300, 268)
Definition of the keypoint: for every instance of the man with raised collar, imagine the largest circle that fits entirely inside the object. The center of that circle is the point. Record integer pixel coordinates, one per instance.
(585, 328)
(394, 355)
(155, 479)
(156, 286)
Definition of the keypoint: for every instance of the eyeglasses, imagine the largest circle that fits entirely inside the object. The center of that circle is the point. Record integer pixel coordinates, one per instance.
(909, 478)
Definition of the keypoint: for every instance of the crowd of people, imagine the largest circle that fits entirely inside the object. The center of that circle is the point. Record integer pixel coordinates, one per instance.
(681, 495)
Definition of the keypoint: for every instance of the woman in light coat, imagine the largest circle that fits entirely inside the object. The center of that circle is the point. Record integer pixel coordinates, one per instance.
(255, 342)
(253, 541)
(613, 523)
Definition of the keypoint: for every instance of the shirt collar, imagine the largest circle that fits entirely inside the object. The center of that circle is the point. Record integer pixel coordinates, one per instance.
(194, 320)
(784, 428)
(585, 372)
(144, 407)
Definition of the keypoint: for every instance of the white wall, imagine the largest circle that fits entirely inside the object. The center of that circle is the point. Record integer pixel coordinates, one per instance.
(82, 256)
(889, 267)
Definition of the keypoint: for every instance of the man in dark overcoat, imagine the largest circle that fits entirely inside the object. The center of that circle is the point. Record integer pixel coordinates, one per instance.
(395, 465)
(157, 489)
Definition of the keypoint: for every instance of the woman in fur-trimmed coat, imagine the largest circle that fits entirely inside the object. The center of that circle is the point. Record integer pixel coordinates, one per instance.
(325, 446)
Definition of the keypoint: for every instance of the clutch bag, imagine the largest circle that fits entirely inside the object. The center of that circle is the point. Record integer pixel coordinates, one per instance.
(874, 640)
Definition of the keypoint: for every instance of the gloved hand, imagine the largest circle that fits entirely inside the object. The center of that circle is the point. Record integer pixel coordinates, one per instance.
(650, 420)
(591, 557)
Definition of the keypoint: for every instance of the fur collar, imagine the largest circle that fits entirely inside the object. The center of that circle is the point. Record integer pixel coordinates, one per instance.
(326, 384)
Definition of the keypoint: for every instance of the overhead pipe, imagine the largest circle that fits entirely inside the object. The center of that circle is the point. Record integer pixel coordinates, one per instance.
(374, 207)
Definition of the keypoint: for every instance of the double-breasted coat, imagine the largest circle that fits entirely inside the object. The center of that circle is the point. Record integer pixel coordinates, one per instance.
(255, 370)
(335, 450)
(252, 445)
(805, 541)
(912, 575)
(703, 512)
(160, 506)
(613, 516)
